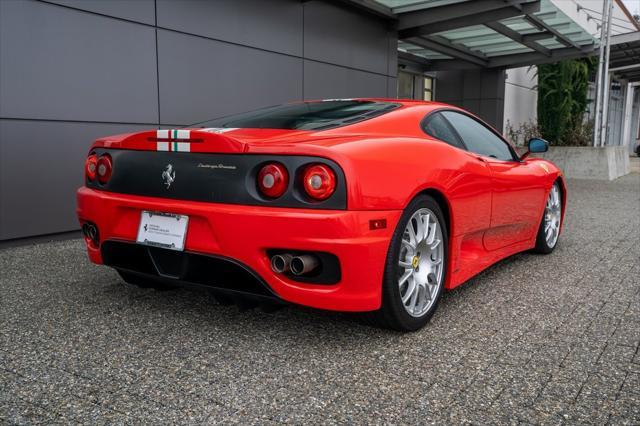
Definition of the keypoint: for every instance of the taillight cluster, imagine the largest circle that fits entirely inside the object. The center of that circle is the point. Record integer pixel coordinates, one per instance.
(318, 181)
(99, 168)
(273, 180)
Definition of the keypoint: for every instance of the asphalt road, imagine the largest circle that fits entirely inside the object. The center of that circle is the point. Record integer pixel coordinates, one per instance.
(534, 339)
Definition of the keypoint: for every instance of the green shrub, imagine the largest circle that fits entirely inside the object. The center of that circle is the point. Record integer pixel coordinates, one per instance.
(520, 136)
(562, 101)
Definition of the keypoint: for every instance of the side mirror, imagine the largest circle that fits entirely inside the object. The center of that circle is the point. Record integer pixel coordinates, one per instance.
(535, 145)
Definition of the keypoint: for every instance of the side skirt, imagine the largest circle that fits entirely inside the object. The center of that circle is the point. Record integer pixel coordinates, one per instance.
(471, 259)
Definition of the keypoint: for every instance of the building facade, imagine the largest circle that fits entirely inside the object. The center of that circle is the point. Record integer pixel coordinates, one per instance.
(75, 70)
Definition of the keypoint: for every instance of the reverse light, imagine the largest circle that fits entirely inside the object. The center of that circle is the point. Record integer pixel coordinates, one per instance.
(273, 180)
(104, 168)
(91, 167)
(319, 181)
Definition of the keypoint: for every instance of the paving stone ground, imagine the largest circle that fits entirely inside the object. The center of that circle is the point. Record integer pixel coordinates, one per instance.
(533, 340)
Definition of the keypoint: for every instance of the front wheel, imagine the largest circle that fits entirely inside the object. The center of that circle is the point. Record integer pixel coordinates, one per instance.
(549, 230)
(415, 267)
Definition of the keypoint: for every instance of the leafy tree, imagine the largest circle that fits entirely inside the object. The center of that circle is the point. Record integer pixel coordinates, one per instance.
(562, 101)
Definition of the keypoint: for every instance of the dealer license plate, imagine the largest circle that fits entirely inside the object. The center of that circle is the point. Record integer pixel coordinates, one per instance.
(164, 230)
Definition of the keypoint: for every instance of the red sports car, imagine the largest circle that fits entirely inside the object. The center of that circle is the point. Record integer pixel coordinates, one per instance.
(369, 205)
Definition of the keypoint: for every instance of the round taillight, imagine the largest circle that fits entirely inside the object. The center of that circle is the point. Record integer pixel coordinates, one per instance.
(273, 180)
(104, 168)
(319, 181)
(91, 167)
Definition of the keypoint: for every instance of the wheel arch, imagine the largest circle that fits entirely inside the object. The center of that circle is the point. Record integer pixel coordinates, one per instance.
(443, 203)
(563, 196)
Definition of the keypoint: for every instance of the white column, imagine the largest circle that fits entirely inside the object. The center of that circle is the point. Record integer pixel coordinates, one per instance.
(606, 95)
(604, 132)
(602, 76)
(628, 110)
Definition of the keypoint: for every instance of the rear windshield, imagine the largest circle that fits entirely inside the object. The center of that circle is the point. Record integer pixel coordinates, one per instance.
(305, 115)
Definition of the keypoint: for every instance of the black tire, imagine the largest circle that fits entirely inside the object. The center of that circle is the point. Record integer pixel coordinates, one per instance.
(392, 313)
(542, 246)
(144, 282)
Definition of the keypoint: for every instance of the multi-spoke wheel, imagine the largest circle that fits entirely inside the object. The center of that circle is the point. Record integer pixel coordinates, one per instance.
(420, 275)
(415, 268)
(549, 230)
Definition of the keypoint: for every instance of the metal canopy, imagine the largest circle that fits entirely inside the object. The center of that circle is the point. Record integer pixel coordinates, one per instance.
(461, 34)
(624, 59)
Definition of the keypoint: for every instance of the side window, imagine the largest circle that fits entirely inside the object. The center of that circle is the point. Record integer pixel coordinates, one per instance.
(478, 138)
(435, 125)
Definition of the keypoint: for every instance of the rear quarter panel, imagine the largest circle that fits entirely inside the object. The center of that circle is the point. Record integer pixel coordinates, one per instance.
(386, 174)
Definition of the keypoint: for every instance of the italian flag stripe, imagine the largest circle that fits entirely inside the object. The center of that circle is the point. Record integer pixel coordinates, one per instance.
(173, 136)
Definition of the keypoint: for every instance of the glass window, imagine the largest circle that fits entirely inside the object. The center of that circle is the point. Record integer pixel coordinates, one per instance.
(435, 125)
(477, 137)
(428, 89)
(305, 115)
(405, 85)
(415, 86)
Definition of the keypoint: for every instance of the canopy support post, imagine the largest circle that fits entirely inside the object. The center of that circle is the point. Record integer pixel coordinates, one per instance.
(602, 91)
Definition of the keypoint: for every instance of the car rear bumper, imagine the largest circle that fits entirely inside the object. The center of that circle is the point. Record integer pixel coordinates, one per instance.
(244, 234)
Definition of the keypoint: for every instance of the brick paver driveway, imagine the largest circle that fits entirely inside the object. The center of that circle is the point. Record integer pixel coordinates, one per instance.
(535, 339)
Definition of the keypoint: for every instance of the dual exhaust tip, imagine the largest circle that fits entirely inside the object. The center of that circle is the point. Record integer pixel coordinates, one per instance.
(90, 231)
(297, 265)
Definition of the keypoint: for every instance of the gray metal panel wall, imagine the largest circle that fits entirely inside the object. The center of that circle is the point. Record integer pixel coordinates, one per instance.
(133, 10)
(274, 25)
(63, 64)
(327, 26)
(41, 166)
(481, 92)
(74, 70)
(197, 77)
(330, 81)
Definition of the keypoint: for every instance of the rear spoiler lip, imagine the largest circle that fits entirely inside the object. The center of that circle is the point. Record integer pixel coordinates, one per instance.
(179, 140)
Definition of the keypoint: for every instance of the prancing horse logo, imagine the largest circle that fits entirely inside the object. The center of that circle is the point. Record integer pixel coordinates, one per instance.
(169, 175)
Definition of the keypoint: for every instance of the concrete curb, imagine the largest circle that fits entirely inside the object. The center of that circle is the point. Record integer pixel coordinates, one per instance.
(584, 162)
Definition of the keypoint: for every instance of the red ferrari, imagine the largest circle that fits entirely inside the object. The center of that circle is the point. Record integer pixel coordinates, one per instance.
(368, 205)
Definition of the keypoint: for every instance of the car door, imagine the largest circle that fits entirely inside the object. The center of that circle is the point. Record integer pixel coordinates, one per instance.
(517, 190)
(469, 189)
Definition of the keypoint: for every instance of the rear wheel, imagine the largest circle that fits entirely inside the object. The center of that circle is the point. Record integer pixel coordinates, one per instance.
(549, 230)
(415, 268)
(143, 282)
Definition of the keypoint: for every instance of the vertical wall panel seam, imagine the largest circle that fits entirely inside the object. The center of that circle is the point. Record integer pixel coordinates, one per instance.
(388, 59)
(155, 15)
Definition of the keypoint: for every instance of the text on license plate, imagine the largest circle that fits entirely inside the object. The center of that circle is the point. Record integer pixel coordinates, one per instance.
(164, 230)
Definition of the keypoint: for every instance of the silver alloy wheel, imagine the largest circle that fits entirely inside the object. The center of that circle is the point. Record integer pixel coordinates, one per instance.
(421, 264)
(552, 216)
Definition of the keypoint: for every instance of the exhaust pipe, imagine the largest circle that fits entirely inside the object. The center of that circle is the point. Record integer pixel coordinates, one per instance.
(304, 264)
(281, 263)
(91, 232)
